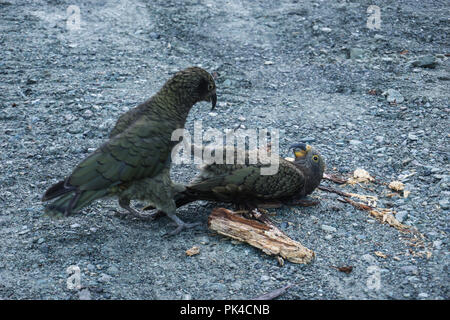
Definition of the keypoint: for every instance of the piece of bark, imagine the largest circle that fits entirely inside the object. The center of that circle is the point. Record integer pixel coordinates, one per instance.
(262, 235)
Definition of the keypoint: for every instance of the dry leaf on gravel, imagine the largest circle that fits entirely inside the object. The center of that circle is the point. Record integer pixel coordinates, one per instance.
(193, 251)
(396, 185)
(360, 176)
(380, 254)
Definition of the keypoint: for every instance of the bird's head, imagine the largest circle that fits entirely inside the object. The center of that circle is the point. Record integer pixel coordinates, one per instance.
(308, 158)
(197, 84)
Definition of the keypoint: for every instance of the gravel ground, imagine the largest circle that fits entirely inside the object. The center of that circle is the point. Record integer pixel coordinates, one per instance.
(309, 68)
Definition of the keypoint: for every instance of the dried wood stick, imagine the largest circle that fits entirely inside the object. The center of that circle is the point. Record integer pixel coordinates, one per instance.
(262, 235)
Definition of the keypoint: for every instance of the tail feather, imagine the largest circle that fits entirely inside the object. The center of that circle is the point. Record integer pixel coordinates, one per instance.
(56, 190)
(73, 201)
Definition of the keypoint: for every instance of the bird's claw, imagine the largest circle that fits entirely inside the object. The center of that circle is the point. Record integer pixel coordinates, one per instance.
(181, 227)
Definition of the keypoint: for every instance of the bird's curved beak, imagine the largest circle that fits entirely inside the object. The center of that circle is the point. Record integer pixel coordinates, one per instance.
(213, 100)
(297, 145)
(300, 149)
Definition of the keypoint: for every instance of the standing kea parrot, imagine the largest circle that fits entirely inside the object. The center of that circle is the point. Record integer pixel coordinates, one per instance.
(135, 162)
(243, 184)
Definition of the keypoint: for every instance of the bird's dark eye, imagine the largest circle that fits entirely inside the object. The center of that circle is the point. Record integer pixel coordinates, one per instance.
(210, 87)
(315, 158)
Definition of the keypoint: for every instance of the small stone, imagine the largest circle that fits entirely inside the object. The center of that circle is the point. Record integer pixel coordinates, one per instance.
(393, 96)
(236, 285)
(356, 53)
(241, 118)
(41, 240)
(437, 244)
(84, 294)
(401, 215)
(227, 83)
(423, 295)
(329, 237)
(378, 37)
(218, 287)
(369, 258)
(428, 61)
(154, 35)
(326, 29)
(328, 228)
(75, 225)
(308, 139)
(444, 204)
(268, 62)
(113, 270)
(88, 113)
(104, 277)
(264, 278)
(412, 137)
(410, 269)
(355, 142)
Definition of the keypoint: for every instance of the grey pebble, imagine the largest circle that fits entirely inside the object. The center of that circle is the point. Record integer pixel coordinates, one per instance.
(265, 278)
(410, 269)
(444, 204)
(393, 95)
(104, 277)
(401, 215)
(427, 61)
(369, 258)
(328, 228)
(217, 287)
(84, 294)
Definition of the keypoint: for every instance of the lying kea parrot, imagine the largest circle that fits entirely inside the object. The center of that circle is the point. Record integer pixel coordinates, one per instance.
(135, 162)
(244, 186)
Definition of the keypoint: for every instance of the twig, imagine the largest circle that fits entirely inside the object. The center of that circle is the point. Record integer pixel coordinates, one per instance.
(274, 294)
(329, 189)
(334, 178)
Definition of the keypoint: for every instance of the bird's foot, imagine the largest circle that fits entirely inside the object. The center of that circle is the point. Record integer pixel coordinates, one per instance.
(138, 215)
(181, 227)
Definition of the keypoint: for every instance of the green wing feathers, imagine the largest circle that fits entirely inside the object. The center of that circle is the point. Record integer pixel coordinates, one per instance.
(134, 154)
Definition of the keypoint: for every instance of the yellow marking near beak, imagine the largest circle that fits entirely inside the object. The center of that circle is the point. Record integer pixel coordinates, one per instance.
(302, 153)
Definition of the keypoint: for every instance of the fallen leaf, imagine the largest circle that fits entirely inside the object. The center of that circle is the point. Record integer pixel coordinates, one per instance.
(345, 269)
(193, 251)
(380, 254)
(396, 185)
(360, 176)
